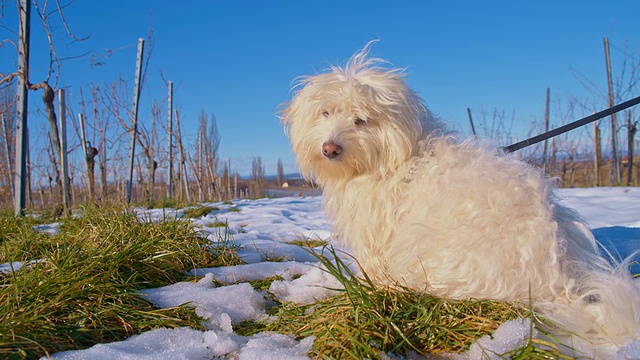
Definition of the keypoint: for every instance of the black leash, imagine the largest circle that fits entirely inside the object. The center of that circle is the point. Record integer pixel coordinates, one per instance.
(568, 127)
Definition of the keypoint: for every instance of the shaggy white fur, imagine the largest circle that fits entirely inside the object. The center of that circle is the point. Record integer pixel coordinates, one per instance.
(457, 219)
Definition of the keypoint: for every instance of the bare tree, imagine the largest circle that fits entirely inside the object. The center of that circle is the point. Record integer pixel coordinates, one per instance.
(7, 130)
(50, 19)
(100, 119)
(213, 157)
(103, 140)
(280, 178)
(632, 129)
(225, 177)
(89, 152)
(207, 159)
(257, 185)
(147, 142)
(496, 126)
(623, 83)
(182, 168)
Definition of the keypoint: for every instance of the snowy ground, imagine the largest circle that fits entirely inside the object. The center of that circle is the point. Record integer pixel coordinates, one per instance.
(261, 229)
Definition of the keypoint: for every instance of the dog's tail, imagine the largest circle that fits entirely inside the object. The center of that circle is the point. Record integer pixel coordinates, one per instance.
(606, 311)
(602, 299)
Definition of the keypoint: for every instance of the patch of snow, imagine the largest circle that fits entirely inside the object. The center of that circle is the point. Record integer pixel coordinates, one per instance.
(7, 267)
(311, 287)
(256, 271)
(235, 302)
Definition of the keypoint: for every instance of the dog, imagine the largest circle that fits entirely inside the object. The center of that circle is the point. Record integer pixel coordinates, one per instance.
(454, 218)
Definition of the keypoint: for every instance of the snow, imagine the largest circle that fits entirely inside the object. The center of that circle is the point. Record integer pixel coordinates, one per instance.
(261, 229)
(509, 335)
(189, 344)
(313, 286)
(605, 207)
(50, 229)
(614, 217)
(256, 271)
(6, 267)
(16, 265)
(236, 302)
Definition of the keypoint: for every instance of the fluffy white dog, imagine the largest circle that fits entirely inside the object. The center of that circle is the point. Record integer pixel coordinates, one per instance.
(457, 219)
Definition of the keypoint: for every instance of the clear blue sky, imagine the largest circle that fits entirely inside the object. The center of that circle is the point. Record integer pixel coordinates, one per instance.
(237, 59)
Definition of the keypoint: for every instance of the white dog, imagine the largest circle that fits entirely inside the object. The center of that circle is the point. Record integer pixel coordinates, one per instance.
(457, 219)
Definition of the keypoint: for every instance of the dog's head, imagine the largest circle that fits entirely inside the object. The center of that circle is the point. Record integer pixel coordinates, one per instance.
(358, 120)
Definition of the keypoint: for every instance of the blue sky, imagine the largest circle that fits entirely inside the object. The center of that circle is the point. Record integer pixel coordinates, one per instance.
(237, 59)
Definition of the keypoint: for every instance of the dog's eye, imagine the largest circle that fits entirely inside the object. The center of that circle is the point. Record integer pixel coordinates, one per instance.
(325, 114)
(359, 122)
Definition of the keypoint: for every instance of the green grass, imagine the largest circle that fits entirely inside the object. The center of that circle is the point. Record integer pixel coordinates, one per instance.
(307, 242)
(264, 284)
(198, 211)
(82, 292)
(217, 223)
(367, 321)
(161, 203)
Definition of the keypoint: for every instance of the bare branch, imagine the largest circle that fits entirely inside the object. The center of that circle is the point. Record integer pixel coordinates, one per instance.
(75, 56)
(64, 21)
(589, 85)
(8, 78)
(53, 56)
(9, 41)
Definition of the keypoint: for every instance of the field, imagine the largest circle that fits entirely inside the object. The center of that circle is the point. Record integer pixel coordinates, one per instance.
(243, 279)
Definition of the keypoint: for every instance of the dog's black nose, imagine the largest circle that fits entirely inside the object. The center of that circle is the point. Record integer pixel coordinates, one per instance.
(331, 150)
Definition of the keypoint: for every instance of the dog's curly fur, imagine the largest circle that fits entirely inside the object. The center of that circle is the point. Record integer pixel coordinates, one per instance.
(457, 219)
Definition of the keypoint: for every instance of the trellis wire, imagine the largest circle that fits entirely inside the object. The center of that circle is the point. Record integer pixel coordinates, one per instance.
(576, 124)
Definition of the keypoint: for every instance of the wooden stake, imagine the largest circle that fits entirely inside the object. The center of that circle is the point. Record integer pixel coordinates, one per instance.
(632, 128)
(134, 120)
(598, 154)
(473, 128)
(22, 139)
(64, 166)
(170, 139)
(546, 129)
(614, 123)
